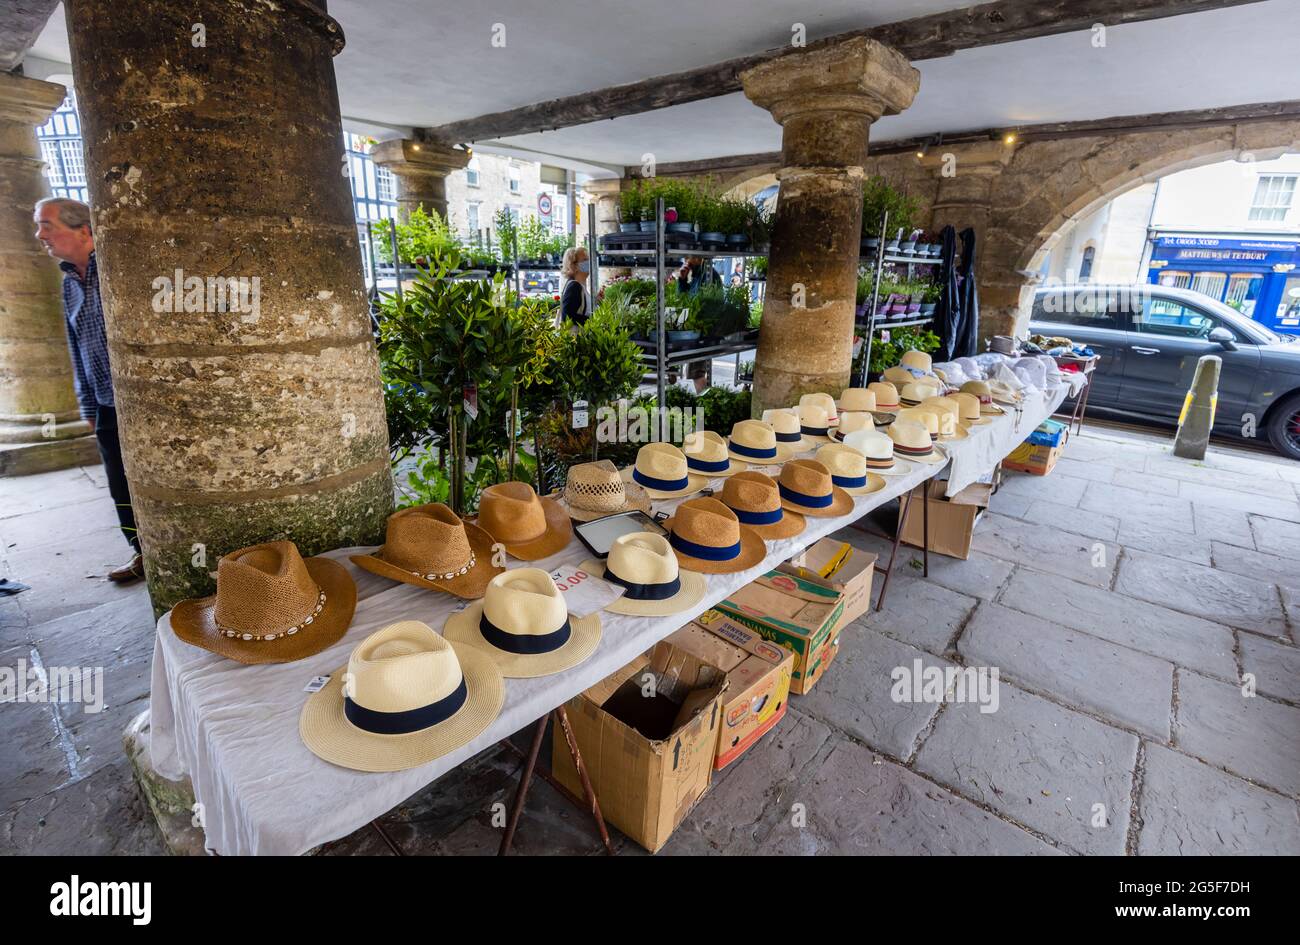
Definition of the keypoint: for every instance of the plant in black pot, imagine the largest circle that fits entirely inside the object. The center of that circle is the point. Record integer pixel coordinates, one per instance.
(630, 202)
(879, 198)
(930, 297)
(758, 226)
(734, 221)
(711, 217)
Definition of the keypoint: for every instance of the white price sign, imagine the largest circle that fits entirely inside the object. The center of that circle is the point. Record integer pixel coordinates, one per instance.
(580, 418)
(584, 593)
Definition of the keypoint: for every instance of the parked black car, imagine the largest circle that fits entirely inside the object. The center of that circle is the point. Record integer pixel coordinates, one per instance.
(1150, 338)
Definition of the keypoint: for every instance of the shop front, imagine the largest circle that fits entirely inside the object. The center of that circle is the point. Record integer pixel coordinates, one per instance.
(1256, 276)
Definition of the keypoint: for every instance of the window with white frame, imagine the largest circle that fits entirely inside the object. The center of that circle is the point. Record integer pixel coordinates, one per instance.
(514, 182)
(60, 139)
(471, 173)
(1273, 193)
(472, 213)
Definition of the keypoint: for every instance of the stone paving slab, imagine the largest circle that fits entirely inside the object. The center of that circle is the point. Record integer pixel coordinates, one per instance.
(1276, 666)
(1044, 548)
(976, 576)
(920, 613)
(1143, 535)
(1190, 809)
(1250, 479)
(1232, 599)
(117, 637)
(1109, 452)
(1065, 490)
(1168, 512)
(1253, 737)
(1179, 638)
(61, 525)
(73, 578)
(1040, 764)
(97, 739)
(1164, 486)
(1256, 564)
(1226, 525)
(1275, 536)
(38, 493)
(1067, 518)
(35, 761)
(1078, 468)
(1219, 497)
(864, 805)
(1127, 687)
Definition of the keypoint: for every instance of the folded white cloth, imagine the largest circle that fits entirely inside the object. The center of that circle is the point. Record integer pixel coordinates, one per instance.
(1032, 372)
(953, 373)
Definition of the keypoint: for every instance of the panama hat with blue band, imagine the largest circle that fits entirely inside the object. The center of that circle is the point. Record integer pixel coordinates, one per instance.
(784, 422)
(662, 471)
(807, 488)
(753, 441)
(653, 582)
(706, 454)
(848, 469)
(708, 537)
(755, 499)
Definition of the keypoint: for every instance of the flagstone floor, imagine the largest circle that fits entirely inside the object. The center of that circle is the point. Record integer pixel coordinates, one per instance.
(1121, 599)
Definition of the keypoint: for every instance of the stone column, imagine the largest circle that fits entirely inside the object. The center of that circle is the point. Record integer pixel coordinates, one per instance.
(40, 426)
(421, 171)
(244, 368)
(825, 101)
(606, 191)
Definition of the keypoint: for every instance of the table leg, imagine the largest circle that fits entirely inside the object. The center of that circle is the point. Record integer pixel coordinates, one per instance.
(562, 719)
(904, 507)
(525, 778)
(925, 528)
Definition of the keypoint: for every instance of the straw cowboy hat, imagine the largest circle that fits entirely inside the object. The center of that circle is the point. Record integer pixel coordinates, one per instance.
(661, 470)
(969, 412)
(644, 565)
(429, 546)
(878, 450)
(925, 417)
(405, 697)
(785, 424)
(271, 606)
(814, 423)
(825, 401)
(851, 422)
(706, 454)
(848, 469)
(912, 394)
(886, 396)
(982, 390)
(754, 441)
(530, 528)
(708, 537)
(594, 490)
(756, 500)
(524, 626)
(913, 441)
(806, 487)
(917, 361)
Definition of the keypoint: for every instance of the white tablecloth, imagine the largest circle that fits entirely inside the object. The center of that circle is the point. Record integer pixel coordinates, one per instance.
(987, 445)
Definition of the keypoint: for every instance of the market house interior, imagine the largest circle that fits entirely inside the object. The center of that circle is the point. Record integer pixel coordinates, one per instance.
(412, 263)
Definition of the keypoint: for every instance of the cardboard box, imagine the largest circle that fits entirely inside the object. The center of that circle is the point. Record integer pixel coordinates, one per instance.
(648, 735)
(1033, 459)
(795, 614)
(952, 519)
(758, 680)
(1049, 433)
(839, 566)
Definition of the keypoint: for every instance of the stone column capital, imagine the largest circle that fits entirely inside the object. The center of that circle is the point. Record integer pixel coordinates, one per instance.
(604, 186)
(407, 158)
(28, 101)
(858, 75)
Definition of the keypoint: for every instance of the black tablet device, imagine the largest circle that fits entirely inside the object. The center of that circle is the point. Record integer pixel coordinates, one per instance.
(599, 535)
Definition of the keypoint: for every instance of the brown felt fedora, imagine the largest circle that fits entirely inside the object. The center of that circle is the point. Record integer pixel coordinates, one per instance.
(707, 537)
(271, 606)
(429, 546)
(756, 500)
(530, 528)
(807, 487)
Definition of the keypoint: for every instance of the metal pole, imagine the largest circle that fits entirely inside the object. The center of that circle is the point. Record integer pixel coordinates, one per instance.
(514, 259)
(370, 255)
(514, 423)
(875, 303)
(661, 337)
(397, 259)
(593, 252)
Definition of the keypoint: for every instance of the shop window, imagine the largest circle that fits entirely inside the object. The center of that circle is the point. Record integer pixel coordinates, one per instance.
(1273, 193)
(1209, 283)
(1175, 279)
(1085, 264)
(1172, 318)
(1243, 290)
(472, 213)
(385, 185)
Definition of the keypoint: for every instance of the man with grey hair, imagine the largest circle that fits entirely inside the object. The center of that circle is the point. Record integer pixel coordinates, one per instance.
(63, 227)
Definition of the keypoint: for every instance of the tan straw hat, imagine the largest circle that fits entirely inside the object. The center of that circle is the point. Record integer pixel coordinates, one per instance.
(886, 395)
(594, 490)
(913, 441)
(899, 376)
(271, 606)
(529, 527)
(848, 469)
(707, 537)
(944, 404)
(969, 409)
(785, 424)
(430, 547)
(917, 361)
(654, 584)
(523, 624)
(949, 428)
(753, 441)
(756, 500)
(661, 470)
(858, 399)
(806, 487)
(706, 454)
(851, 422)
(912, 394)
(825, 401)
(982, 390)
(922, 415)
(1005, 393)
(878, 450)
(405, 697)
(814, 422)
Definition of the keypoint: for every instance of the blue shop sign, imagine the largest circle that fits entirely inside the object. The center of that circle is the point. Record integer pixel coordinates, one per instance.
(1234, 253)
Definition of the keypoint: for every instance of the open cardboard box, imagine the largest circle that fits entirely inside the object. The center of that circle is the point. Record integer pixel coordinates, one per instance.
(952, 519)
(841, 567)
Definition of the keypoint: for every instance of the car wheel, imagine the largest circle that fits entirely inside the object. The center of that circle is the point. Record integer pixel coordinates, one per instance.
(1284, 427)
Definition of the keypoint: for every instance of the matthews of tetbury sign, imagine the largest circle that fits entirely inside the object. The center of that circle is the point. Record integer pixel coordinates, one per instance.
(1214, 249)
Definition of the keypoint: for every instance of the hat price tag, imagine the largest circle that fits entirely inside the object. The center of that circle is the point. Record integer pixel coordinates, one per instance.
(580, 418)
(584, 593)
(317, 684)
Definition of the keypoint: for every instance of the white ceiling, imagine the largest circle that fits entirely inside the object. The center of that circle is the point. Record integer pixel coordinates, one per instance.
(409, 63)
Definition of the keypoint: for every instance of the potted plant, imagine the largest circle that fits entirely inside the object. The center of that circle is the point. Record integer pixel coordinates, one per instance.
(930, 297)
(679, 202)
(711, 218)
(879, 198)
(735, 220)
(758, 226)
(907, 246)
(629, 209)
(758, 269)
(866, 285)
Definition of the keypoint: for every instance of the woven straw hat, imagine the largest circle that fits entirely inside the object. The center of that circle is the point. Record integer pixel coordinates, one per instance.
(523, 625)
(594, 490)
(968, 406)
(430, 547)
(878, 450)
(982, 390)
(644, 564)
(912, 394)
(756, 500)
(913, 441)
(707, 537)
(814, 423)
(754, 441)
(857, 399)
(848, 469)
(529, 527)
(785, 424)
(899, 376)
(1005, 393)
(943, 404)
(917, 360)
(661, 470)
(851, 422)
(806, 487)
(825, 401)
(405, 697)
(886, 395)
(947, 410)
(271, 606)
(922, 415)
(706, 454)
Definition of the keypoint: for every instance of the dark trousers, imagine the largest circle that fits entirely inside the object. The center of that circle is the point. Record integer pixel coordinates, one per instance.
(111, 450)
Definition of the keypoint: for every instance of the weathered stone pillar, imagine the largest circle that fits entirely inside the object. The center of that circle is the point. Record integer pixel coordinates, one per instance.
(40, 426)
(825, 101)
(421, 171)
(606, 191)
(244, 369)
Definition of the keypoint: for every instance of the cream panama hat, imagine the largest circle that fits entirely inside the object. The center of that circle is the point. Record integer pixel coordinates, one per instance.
(981, 390)
(878, 449)
(899, 376)
(756, 500)
(913, 441)
(806, 487)
(594, 490)
(850, 422)
(785, 424)
(753, 441)
(662, 471)
(405, 697)
(848, 469)
(912, 394)
(528, 526)
(917, 361)
(925, 417)
(706, 454)
(708, 537)
(886, 395)
(643, 564)
(969, 409)
(825, 401)
(524, 626)
(942, 404)
(856, 399)
(814, 423)
(429, 546)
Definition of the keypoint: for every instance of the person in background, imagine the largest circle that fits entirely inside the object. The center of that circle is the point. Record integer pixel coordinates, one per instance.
(63, 227)
(694, 274)
(575, 306)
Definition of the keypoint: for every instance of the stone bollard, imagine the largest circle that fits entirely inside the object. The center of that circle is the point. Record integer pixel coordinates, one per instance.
(1197, 419)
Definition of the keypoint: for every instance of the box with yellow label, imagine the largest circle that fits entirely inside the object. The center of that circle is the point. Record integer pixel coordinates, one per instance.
(841, 567)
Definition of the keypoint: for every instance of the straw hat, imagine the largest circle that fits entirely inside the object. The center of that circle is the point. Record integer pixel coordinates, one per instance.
(594, 490)
(524, 626)
(429, 546)
(912, 394)
(851, 422)
(886, 395)
(756, 500)
(925, 417)
(899, 376)
(271, 606)
(917, 361)
(706, 454)
(856, 399)
(806, 487)
(1005, 393)
(878, 449)
(644, 565)
(405, 697)
(825, 401)
(942, 404)
(814, 423)
(529, 527)
(785, 424)
(754, 441)
(662, 471)
(913, 441)
(982, 390)
(848, 469)
(968, 406)
(707, 537)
